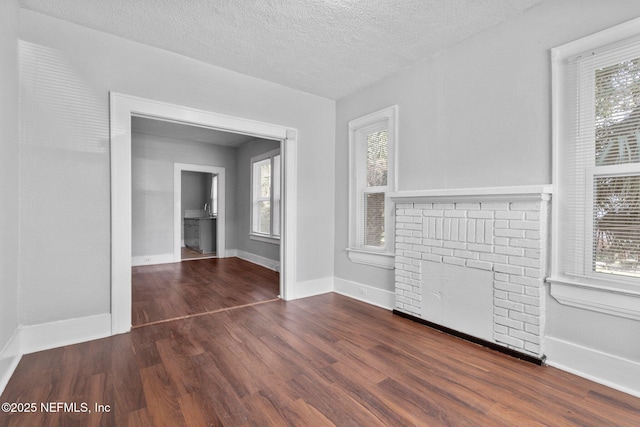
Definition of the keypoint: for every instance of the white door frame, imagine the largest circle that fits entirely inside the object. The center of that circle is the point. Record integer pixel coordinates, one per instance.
(122, 108)
(177, 207)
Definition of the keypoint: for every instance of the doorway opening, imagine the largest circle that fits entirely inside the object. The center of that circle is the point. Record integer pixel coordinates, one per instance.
(123, 108)
(198, 215)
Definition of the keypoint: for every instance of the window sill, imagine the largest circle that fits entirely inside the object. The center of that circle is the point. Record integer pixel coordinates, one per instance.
(265, 239)
(375, 259)
(622, 300)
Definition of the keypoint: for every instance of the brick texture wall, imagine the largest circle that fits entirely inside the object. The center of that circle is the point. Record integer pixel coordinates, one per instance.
(508, 238)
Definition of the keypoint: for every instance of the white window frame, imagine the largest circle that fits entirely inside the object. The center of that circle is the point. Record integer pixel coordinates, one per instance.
(214, 194)
(358, 129)
(605, 293)
(274, 199)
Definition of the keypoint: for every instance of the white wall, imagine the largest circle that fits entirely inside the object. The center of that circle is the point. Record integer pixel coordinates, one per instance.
(479, 114)
(9, 157)
(67, 73)
(152, 185)
(195, 191)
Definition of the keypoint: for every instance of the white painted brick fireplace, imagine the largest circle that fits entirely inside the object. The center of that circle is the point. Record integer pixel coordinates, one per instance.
(474, 260)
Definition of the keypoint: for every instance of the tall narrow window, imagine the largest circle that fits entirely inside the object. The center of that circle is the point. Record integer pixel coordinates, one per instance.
(376, 170)
(275, 226)
(372, 143)
(265, 208)
(214, 195)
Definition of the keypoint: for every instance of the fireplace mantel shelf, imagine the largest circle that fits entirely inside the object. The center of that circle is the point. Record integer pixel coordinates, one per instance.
(488, 194)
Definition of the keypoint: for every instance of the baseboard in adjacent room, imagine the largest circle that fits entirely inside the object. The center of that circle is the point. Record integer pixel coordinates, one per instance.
(607, 369)
(137, 261)
(365, 293)
(256, 259)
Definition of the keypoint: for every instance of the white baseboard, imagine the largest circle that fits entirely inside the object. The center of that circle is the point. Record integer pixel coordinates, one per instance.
(137, 261)
(9, 358)
(365, 293)
(310, 288)
(65, 332)
(607, 369)
(45, 336)
(256, 259)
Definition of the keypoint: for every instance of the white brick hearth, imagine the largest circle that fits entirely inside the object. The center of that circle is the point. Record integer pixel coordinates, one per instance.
(498, 230)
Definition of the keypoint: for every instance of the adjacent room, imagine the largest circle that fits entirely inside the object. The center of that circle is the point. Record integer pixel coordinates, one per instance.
(176, 172)
(320, 213)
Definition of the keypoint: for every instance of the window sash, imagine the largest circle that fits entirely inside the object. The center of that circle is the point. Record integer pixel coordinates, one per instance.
(365, 226)
(605, 239)
(373, 227)
(276, 198)
(214, 195)
(266, 223)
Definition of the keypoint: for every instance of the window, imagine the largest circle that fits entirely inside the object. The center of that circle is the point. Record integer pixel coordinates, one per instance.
(372, 145)
(214, 195)
(596, 230)
(265, 195)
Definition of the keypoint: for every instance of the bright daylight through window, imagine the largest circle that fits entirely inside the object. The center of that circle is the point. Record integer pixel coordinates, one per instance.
(373, 193)
(596, 172)
(616, 175)
(265, 211)
(598, 162)
(372, 141)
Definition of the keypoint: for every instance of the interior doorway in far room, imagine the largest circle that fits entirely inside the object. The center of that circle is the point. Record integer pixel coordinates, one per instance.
(198, 215)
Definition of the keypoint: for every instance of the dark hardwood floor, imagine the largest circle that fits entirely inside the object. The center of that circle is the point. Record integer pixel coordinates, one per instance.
(186, 254)
(325, 360)
(169, 291)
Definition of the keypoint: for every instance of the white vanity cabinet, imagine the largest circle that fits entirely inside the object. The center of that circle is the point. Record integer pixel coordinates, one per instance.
(200, 234)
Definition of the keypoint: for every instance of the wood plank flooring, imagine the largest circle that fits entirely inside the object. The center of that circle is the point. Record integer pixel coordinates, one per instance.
(186, 253)
(169, 291)
(320, 361)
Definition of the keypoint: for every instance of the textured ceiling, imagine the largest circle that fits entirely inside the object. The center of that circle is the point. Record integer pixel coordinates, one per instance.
(326, 47)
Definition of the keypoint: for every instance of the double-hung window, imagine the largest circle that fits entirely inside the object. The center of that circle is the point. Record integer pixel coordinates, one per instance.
(596, 232)
(214, 195)
(372, 147)
(265, 195)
